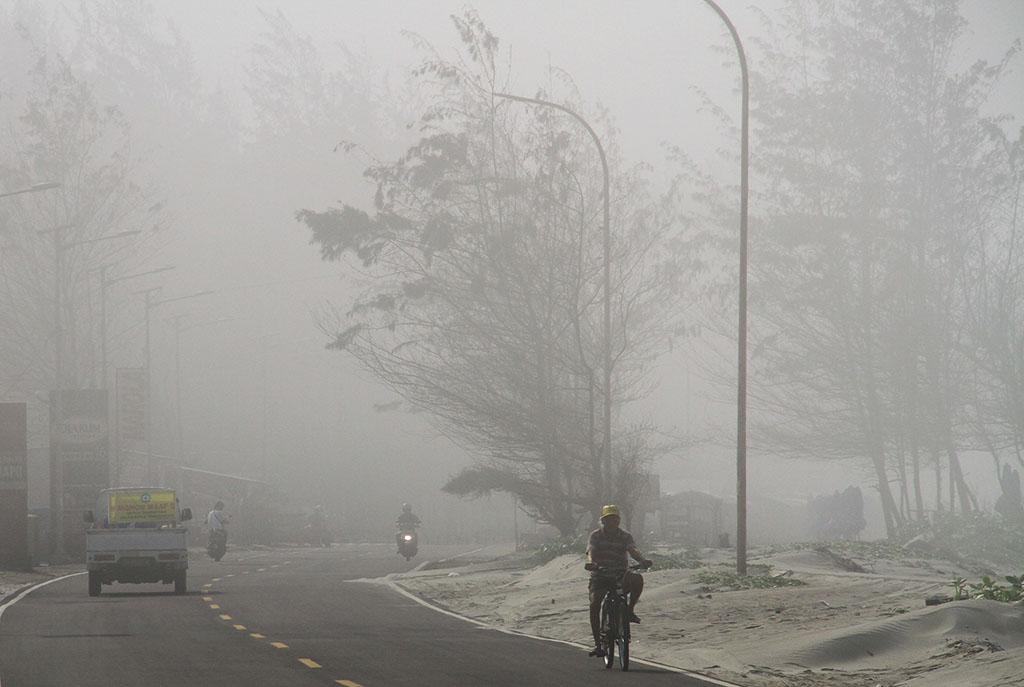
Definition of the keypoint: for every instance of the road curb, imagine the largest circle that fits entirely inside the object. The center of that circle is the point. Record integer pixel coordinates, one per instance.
(21, 593)
(716, 682)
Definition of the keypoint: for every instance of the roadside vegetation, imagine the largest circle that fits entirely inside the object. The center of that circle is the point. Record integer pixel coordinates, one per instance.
(989, 589)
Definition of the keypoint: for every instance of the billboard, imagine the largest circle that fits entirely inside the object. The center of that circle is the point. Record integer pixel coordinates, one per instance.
(13, 485)
(142, 505)
(79, 461)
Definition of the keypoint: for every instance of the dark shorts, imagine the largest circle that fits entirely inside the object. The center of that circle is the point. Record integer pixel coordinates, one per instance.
(599, 586)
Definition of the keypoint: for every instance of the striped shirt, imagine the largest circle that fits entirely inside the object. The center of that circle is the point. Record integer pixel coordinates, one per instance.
(610, 550)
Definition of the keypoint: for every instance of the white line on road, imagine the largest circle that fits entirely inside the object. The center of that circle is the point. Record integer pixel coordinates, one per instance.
(423, 602)
(29, 590)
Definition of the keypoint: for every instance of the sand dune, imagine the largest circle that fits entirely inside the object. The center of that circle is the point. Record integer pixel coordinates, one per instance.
(840, 629)
(986, 625)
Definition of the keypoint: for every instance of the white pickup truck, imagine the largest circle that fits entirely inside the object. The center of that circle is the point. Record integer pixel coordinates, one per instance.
(137, 536)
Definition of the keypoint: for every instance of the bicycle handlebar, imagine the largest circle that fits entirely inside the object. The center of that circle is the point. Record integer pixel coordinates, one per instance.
(636, 567)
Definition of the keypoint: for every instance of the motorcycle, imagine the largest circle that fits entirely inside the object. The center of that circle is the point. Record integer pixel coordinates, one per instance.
(407, 543)
(218, 544)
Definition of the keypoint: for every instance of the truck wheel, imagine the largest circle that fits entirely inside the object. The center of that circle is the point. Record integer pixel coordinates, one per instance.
(95, 585)
(179, 582)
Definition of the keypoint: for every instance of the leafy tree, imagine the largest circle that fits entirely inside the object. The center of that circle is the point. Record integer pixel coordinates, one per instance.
(875, 160)
(994, 312)
(58, 131)
(483, 292)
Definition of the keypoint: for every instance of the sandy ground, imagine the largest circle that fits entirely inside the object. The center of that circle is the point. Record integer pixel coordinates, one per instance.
(844, 628)
(840, 628)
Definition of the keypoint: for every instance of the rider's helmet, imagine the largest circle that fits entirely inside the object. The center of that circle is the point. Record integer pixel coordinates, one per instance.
(219, 505)
(610, 510)
(406, 508)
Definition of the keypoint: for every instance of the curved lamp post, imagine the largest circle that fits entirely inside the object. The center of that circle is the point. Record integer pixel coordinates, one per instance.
(178, 329)
(606, 230)
(150, 304)
(32, 189)
(104, 284)
(60, 247)
(741, 384)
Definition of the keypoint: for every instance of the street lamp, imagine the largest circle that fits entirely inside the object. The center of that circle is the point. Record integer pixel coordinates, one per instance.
(56, 485)
(150, 304)
(42, 186)
(178, 329)
(606, 231)
(60, 247)
(104, 283)
(741, 383)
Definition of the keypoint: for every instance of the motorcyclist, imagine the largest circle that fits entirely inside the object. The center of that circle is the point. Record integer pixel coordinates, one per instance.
(317, 522)
(217, 522)
(407, 522)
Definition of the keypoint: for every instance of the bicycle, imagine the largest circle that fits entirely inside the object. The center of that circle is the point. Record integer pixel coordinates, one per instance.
(615, 617)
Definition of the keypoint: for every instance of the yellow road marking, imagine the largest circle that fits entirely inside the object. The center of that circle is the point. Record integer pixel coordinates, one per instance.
(257, 635)
(214, 606)
(309, 663)
(348, 683)
(239, 627)
(207, 598)
(279, 645)
(225, 617)
(275, 566)
(262, 570)
(217, 579)
(245, 572)
(231, 575)
(207, 585)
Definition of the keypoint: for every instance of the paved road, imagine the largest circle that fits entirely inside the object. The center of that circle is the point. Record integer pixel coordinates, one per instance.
(279, 617)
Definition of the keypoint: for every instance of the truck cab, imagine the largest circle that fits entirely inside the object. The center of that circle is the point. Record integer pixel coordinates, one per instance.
(137, 536)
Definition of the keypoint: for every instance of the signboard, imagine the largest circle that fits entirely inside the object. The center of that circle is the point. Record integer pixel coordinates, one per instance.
(13, 485)
(142, 506)
(80, 461)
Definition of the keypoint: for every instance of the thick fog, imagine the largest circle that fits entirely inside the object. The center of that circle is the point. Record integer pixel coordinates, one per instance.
(232, 116)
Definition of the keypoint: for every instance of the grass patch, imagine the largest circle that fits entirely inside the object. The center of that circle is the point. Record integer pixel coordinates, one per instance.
(686, 559)
(720, 579)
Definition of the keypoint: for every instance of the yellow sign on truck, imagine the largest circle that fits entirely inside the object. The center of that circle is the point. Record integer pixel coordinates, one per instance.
(138, 536)
(142, 505)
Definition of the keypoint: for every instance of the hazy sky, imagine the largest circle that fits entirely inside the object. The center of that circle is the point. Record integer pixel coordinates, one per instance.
(643, 61)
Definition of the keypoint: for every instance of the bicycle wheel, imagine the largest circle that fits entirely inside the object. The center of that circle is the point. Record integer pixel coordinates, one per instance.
(622, 637)
(608, 624)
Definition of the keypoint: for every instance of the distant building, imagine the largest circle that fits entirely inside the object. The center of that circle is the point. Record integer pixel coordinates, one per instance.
(692, 518)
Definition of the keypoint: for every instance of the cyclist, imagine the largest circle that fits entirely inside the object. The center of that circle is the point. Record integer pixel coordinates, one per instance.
(608, 547)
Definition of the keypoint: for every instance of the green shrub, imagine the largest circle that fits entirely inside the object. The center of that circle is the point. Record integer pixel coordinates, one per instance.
(988, 589)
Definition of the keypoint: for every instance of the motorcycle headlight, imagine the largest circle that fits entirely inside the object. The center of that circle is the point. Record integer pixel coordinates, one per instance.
(407, 537)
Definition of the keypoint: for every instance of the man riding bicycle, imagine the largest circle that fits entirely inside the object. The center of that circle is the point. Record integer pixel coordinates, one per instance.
(607, 548)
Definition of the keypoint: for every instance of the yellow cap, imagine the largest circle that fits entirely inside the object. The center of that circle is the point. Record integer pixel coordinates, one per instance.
(610, 510)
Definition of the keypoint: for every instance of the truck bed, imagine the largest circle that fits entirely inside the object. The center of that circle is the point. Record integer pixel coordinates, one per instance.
(136, 539)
